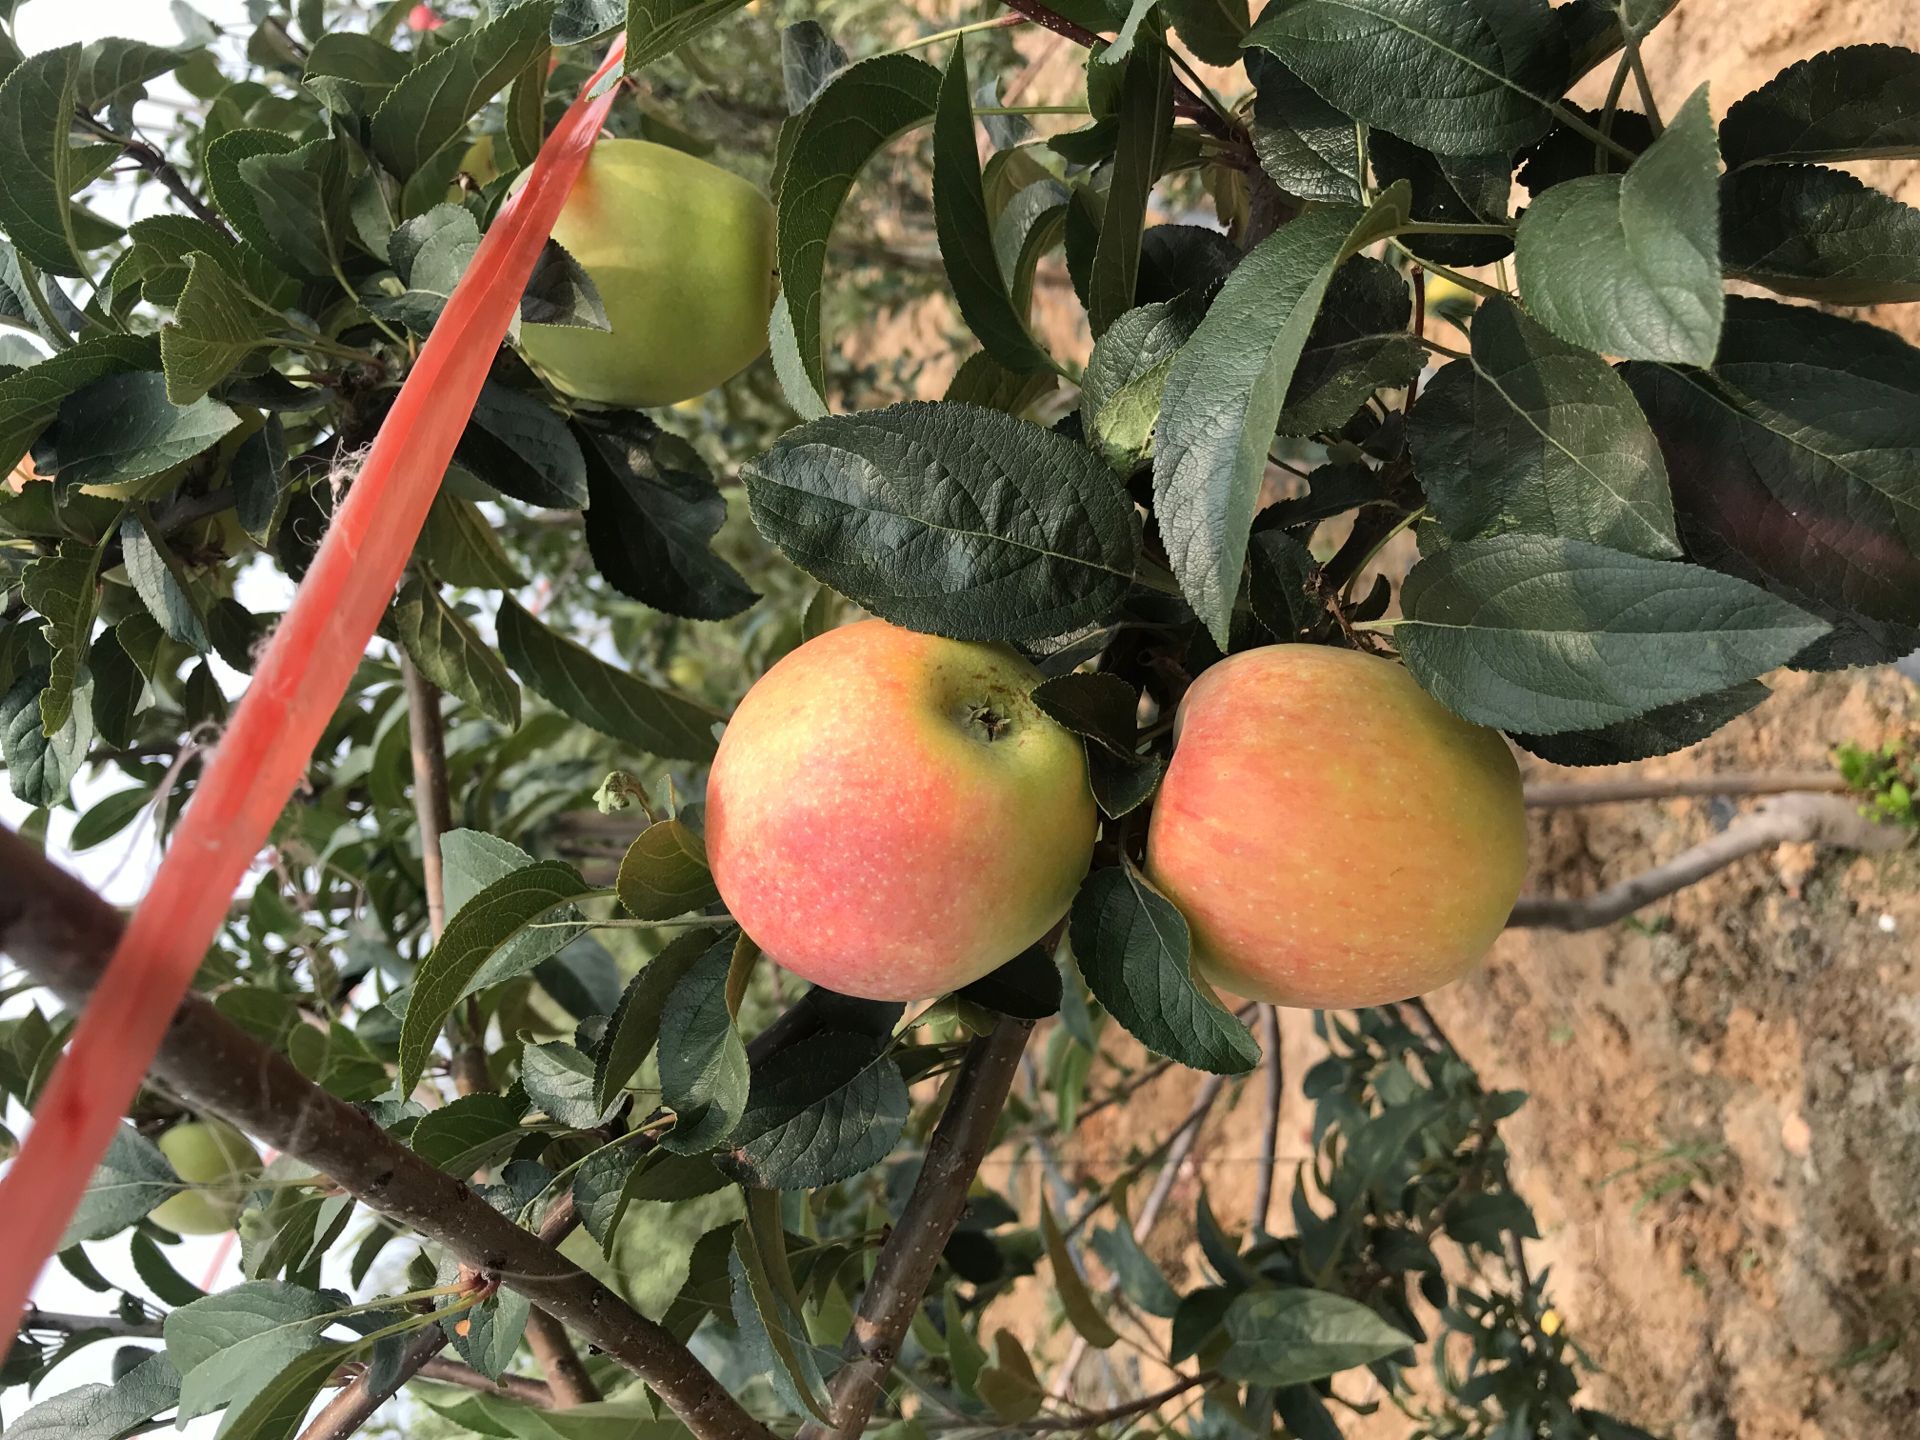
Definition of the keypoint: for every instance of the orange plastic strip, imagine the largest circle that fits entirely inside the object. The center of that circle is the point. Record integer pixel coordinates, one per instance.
(295, 692)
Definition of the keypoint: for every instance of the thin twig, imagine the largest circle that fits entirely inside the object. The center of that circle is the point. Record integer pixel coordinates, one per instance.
(1548, 796)
(906, 1262)
(1822, 819)
(57, 1322)
(1270, 1132)
(341, 1416)
(62, 934)
(158, 166)
(1093, 1419)
(515, 1387)
(567, 1377)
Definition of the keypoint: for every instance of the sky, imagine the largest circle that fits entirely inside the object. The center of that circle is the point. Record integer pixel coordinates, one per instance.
(119, 868)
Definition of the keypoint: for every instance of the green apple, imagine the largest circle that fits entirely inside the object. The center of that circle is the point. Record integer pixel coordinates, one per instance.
(219, 1164)
(682, 254)
(1333, 834)
(891, 816)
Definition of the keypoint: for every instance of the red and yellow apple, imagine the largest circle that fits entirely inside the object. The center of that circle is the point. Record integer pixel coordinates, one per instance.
(1334, 835)
(890, 816)
(682, 254)
(219, 1166)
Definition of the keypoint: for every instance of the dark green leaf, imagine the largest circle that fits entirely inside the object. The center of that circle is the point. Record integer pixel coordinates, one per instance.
(980, 287)
(161, 583)
(1146, 121)
(703, 1062)
(467, 1133)
(860, 110)
(1820, 234)
(1226, 389)
(214, 327)
(260, 477)
(1858, 102)
(1539, 636)
(236, 199)
(1027, 987)
(131, 1179)
(36, 161)
(1288, 1337)
(1307, 147)
(560, 292)
(949, 519)
(1071, 1287)
(1794, 460)
(229, 1347)
(430, 252)
(460, 545)
(278, 1408)
(1461, 77)
(109, 68)
(30, 398)
(1630, 264)
(664, 874)
(1538, 436)
(818, 1112)
(298, 201)
(1099, 707)
(1134, 950)
(350, 72)
(1359, 344)
(1449, 190)
(656, 28)
(1596, 29)
(983, 380)
(443, 645)
(652, 520)
(429, 108)
(575, 21)
(559, 1079)
(492, 918)
(40, 766)
(1121, 388)
(519, 446)
(117, 689)
(635, 1025)
(124, 428)
(809, 58)
(585, 687)
(65, 589)
(473, 861)
(764, 1298)
(1212, 29)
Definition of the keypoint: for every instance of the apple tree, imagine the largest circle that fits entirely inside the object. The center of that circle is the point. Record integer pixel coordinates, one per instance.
(547, 1145)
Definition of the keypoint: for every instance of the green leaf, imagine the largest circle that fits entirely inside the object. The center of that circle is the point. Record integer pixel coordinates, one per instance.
(634, 1027)
(460, 545)
(1858, 102)
(102, 1412)
(1121, 388)
(474, 860)
(278, 1408)
(983, 380)
(703, 1062)
(809, 58)
(519, 446)
(1027, 987)
(980, 286)
(36, 159)
(861, 109)
(1359, 344)
(1226, 389)
(664, 874)
(40, 766)
(1146, 123)
(561, 292)
(260, 479)
(1541, 437)
(236, 199)
(161, 583)
(229, 1347)
(1793, 461)
(130, 1180)
(1140, 1279)
(111, 67)
(1009, 1386)
(1658, 732)
(651, 523)
(492, 918)
(65, 589)
(558, 1078)
(30, 398)
(1289, 1337)
(1071, 1287)
(761, 1252)
(440, 641)
(298, 203)
(124, 428)
(818, 1112)
(1537, 635)
(350, 73)
(1135, 952)
(1213, 29)
(428, 109)
(1098, 707)
(429, 252)
(585, 687)
(117, 689)
(1596, 29)
(1462, 77)
(1630, 264)
(1820, 234)
(1307, 147)
(467, 1133)
(1451, 190)
(215, 326)
(656, 28)
(950, 519)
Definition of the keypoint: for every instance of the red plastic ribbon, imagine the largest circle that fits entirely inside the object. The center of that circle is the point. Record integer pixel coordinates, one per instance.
(298, 686)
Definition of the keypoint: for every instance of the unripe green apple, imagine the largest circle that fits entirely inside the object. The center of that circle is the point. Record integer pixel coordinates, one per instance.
(891, 816)
(220, 1164)
(682, 254)
(1333, 834)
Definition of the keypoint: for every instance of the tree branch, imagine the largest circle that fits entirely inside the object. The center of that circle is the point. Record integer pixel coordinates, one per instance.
(567, 1379)
(62, 934)
(1270, 1132)
(161, 168)
(514, 1387)
(1822, 819)
(906, 1262)
(1733, 783)
(57, 1322)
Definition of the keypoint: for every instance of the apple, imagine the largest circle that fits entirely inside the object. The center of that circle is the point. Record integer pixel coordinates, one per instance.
(219, 1164)
(891, 816)
(682, 254)
(1333, 834)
